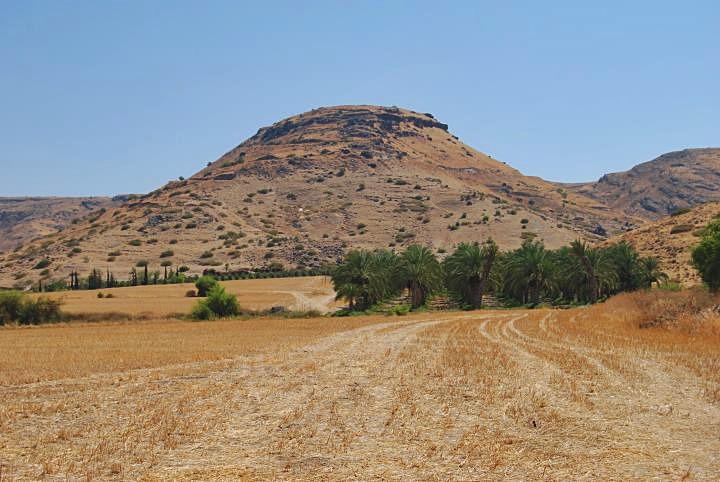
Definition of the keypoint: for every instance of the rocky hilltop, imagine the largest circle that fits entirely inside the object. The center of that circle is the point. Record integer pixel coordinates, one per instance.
(304, 190)
(659, 187)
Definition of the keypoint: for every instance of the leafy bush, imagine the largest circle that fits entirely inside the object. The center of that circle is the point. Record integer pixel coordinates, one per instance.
(400, 310)
(679, 211)
(15, 307)
(218, 304)
(706, 256)
(201, 311)
(167, 254)
(681, 228)
(205, 284)
(135, 242)
(43, 263)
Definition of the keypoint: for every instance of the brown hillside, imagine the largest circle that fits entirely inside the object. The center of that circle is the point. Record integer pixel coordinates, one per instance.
(671, 238)
(305, 189)
(659, 187)
(26, 218)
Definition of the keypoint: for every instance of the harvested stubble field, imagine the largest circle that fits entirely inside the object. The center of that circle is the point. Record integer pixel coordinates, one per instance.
(309, 293)
(520, 394)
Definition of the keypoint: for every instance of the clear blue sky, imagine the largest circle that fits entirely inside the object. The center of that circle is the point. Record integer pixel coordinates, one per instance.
(105, 97)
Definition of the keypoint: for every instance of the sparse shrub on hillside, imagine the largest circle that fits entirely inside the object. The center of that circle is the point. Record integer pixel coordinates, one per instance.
(167, 254)
(206, 254)
(679, 211)
(681, 228)
(43, 263)
(135, 242)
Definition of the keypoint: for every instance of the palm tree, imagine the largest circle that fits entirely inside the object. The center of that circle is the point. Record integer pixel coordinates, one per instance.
(627, 266)
(579, 249)
(651, 272)
(370, 275)
(598, 269)
(419, 271)
(468, 269)
(528, 271)
(350, 292)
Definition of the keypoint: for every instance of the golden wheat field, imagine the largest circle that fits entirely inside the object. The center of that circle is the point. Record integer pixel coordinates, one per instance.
(581, 394)
(310, 293)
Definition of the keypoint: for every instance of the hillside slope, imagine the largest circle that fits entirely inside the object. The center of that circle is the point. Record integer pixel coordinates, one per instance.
(657, 188)
(26, 218)
(302, 191)
(671, 238)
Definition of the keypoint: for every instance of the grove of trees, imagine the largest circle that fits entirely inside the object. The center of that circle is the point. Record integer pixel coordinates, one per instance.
(528, 275)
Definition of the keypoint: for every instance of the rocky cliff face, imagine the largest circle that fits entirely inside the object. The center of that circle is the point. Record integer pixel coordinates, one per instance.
(659, 187)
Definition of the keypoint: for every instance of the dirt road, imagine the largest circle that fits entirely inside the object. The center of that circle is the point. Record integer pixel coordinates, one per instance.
(459, 396)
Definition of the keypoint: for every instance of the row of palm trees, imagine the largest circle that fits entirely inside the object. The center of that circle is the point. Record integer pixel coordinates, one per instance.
(531, 274)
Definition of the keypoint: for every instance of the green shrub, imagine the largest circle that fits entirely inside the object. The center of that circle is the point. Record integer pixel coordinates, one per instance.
(400, 310)
(218, 304)
(679, 211)
(205, 284)
(135, 242)
(706, 256)
(15, 307)
(167, 254)
(681, 228)
(206, 254)
(43, 263)
(201, 311)
(669, 286)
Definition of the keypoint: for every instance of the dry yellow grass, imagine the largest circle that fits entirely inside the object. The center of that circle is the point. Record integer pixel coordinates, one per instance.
(544, 394)
(157, 301)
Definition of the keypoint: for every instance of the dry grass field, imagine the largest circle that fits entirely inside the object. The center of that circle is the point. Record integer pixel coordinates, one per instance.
(157, 301)
(582, 394)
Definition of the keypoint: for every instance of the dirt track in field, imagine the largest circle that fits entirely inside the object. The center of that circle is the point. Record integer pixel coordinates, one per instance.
(452, 396)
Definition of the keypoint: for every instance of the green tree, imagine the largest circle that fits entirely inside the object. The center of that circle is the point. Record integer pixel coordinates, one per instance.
(218, 304)
(365, 277)
(650, 272)
(597, 269)
(419, 271)
(205, 284)
(706, 256)
(165, 265)
(627, 266)
(528, 272)
(467, 270)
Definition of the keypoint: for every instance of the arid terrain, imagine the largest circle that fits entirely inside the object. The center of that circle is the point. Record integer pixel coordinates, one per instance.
(23, 219)
(303, 190)
(158, 301)
(306, 189)
(657, 188)
(670, 239)
(540, 394)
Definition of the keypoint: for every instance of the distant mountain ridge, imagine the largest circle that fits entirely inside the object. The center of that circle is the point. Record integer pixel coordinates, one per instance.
(25, 218)
(659, 187)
